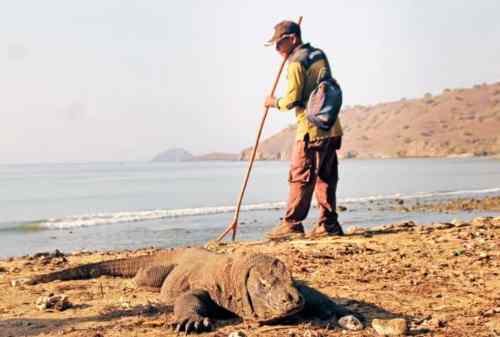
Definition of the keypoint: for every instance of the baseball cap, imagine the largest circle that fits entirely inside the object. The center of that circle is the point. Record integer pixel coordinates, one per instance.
(282, 29)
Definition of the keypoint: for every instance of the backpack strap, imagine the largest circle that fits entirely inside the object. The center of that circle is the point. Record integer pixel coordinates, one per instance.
(307, 55)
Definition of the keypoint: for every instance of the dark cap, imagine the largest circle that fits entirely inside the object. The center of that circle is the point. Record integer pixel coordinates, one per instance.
(282, 29)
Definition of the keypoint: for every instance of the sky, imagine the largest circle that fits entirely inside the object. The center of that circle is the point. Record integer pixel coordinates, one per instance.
(123, 80)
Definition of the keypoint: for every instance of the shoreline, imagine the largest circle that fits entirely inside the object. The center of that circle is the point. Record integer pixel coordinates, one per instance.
(443, 278)
(487, 203)
(451, 156)
(174, 232)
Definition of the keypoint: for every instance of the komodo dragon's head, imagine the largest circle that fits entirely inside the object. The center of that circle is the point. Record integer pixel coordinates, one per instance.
(269, 293)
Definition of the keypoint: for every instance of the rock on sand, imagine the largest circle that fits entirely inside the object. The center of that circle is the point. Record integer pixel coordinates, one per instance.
(390, 327)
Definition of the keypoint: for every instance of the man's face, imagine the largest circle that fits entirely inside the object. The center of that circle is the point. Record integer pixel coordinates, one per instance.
(285, 45)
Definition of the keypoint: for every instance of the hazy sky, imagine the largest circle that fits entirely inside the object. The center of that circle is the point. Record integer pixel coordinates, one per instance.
(123, 80)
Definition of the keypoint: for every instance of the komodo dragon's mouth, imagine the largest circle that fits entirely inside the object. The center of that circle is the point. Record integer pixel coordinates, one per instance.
(272, 304)
(283, 311)
(284, 315)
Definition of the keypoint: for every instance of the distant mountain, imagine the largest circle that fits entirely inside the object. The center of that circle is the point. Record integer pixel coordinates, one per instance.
(217, 156)
(178, 154)
(173, 155)
(459, 122)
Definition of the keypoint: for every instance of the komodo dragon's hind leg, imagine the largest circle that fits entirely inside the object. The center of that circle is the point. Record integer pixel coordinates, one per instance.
(151, 278)
(194, 311)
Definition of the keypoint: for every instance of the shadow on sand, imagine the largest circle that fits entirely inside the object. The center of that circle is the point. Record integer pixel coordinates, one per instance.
(339, 306)
(36, 326)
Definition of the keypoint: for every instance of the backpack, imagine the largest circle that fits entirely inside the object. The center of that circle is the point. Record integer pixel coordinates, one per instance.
(324, 104)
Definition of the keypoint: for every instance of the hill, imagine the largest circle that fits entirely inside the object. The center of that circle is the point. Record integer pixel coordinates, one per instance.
(173, 155)
(179, 154)
(216, 156)
(459, 122)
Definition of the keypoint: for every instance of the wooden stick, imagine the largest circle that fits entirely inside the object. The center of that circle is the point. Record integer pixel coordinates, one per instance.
(234, 224)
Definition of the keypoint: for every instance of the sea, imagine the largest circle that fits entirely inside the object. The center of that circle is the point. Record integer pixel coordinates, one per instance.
(130, 205)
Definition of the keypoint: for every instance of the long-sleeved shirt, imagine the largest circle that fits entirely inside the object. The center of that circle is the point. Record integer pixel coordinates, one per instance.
(305, 66)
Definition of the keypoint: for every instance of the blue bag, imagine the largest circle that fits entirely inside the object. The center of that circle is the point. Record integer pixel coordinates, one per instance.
(324, 104)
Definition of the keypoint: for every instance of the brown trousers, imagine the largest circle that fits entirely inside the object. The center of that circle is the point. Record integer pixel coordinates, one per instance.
(314, 168)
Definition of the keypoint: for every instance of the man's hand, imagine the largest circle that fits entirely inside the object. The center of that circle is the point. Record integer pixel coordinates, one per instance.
(270, 102)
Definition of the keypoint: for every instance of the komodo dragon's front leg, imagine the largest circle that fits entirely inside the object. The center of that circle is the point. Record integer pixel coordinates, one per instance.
(194, 311)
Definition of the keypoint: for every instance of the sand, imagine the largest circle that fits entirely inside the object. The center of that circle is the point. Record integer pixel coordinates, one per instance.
(442, 278)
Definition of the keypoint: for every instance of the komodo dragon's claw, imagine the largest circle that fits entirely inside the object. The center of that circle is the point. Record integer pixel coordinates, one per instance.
(193, 324)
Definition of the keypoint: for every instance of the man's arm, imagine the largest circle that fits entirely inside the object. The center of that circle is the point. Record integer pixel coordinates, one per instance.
(293, 95)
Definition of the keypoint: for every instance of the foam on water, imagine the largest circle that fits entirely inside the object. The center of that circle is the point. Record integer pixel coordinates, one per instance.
(134, 216)
(121, 217)
(422, 195)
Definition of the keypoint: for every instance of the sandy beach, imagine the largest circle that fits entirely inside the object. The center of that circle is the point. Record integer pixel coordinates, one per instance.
(443, 278)
(134, 134)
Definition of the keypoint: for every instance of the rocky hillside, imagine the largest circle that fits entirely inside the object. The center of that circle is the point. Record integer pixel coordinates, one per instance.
(458, 122)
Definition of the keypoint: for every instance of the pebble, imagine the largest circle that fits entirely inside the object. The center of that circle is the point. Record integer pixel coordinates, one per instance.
(444, 225)
(19, 282)
(15, 283)
(58, 302)
(312, 333)
(492, 312)
(350, 322)
(459, 223)
(54, 254)
(437, 322)
(494, 326)
(124, 303)
(237, 334)
(407, 224)
(484, 256)
(390, 327)
(355, 230)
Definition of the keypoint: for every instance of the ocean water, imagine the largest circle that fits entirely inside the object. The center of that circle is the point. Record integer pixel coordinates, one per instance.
(130, 205)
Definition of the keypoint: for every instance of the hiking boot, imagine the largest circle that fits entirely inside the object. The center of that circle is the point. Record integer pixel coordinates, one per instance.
(325, 230)
(286, 231)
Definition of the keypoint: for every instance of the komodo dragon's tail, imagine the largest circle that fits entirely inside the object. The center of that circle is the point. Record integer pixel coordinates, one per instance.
(126, 267)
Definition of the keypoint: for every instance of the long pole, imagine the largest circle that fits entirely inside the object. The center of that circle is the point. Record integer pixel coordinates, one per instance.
(234, 224)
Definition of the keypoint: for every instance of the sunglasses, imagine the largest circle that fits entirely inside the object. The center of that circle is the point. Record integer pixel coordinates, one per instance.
(279, 43)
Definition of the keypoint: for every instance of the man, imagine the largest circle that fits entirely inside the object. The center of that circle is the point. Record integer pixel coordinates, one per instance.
(314, 166)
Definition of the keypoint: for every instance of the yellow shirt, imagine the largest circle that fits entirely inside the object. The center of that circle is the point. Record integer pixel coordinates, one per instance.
(302, 80)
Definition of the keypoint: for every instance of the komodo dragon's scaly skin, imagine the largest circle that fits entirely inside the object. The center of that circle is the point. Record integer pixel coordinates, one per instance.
(203, 285)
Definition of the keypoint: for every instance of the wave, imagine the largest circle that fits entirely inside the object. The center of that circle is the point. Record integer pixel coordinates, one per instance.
(422, 195)
(135, 216)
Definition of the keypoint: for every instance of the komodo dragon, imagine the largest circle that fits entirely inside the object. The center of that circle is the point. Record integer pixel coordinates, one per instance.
(203, 285)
